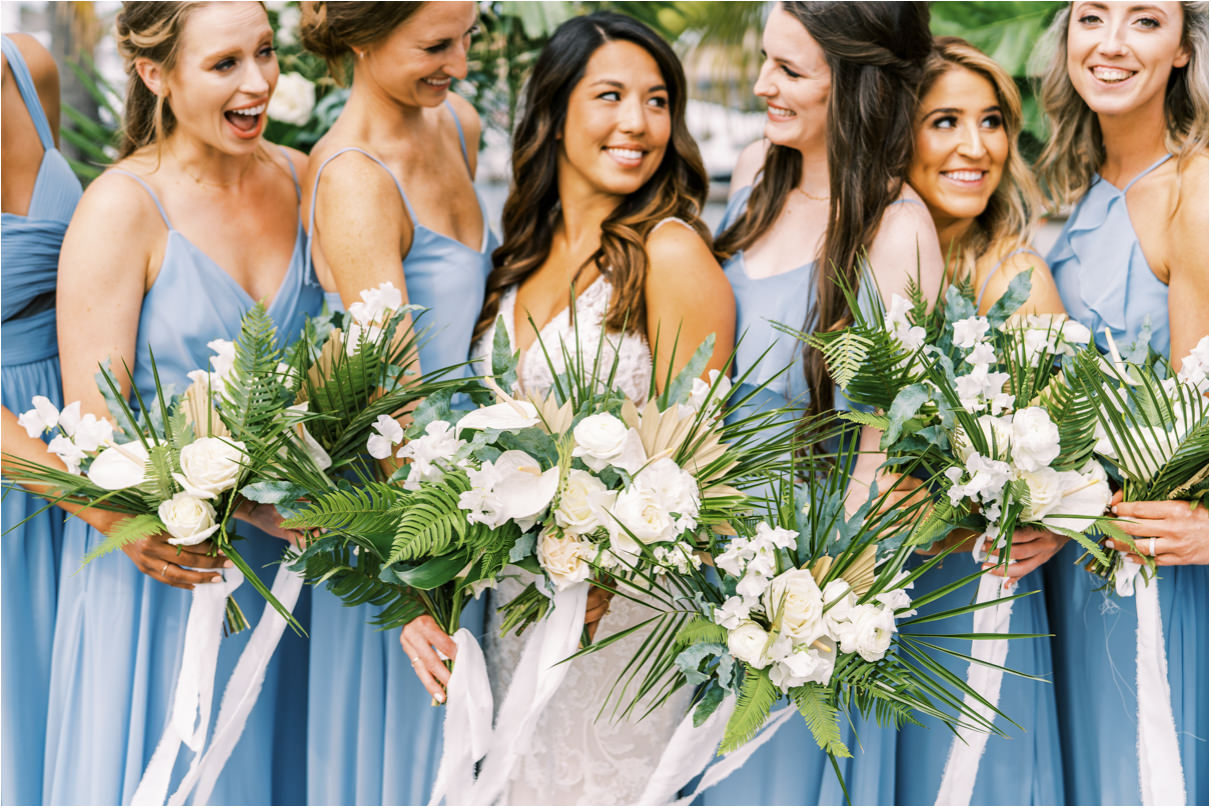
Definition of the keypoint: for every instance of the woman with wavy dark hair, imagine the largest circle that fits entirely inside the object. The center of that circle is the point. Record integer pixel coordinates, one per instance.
(602, 236)
(1125, 94)
(822, 200)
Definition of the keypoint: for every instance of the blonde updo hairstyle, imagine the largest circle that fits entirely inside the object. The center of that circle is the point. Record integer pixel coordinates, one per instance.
(1075, 151)
(1008, 220)
(332, 30)
(148, 30)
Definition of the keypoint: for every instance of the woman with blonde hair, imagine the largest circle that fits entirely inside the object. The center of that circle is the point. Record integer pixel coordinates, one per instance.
(969, 171)
(168, 249)
(1126, 96)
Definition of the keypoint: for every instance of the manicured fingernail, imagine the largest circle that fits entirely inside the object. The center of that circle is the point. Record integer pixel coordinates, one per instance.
(1108, 543)
(1114, 509)
(228, 564)
(441, 698)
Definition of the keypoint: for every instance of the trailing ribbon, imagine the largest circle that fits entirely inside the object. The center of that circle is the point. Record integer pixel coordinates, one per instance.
(467, 729)
(190, 715)
(535, 681)
(1161, 779)
(687, 753)
(242, 690)
(733, 760)
(967, 747)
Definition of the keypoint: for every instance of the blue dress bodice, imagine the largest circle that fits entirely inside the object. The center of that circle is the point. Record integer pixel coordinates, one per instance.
(1102, 274)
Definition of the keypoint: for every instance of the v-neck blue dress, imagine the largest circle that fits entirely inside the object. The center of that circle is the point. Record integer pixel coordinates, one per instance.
(120, 634)
(29, 355)
(372, 737)
(1105, 282)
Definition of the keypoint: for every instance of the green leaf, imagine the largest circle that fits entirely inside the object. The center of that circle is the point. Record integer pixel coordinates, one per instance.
(272, 492)
(813, 702)
(125, 532)
(428, 574)
(679, 391)
(906, 405)
(757, 697)
(1014, 298)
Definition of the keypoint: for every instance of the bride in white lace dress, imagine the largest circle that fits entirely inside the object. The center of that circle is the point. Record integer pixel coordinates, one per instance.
(602, 220)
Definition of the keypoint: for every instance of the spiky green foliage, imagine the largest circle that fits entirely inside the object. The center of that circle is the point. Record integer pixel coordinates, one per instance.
(820, 714)
(129, 530)
(757, 697)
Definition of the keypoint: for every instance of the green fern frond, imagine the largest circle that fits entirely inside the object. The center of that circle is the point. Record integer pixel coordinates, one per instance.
(844, 353)
(701, 630)
(431, 521)
(254, 394)
(821, 717)
(125, 532)
(757, 697)
(367, 510)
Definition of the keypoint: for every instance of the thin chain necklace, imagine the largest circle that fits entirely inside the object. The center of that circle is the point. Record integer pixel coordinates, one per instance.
(209, 183)
(811, 197)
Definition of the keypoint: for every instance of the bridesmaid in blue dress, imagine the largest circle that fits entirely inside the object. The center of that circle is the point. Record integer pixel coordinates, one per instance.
(396, 204)
(167, 251)
(785, 191)
(39, 194)
(967, 168)
(1125, 95)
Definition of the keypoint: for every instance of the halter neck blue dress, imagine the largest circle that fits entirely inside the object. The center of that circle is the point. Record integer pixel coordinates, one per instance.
(1020, 769)
(29, 569)
(791, 769)
(1105, 282)
(373, 738)
(120, 634)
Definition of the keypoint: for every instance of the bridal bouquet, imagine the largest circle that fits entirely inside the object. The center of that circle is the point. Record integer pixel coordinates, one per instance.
(1152, 433)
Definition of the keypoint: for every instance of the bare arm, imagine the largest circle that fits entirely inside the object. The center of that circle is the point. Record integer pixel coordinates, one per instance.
(747, 166)
(1044, 296)
(1188, 265)
(472, 127)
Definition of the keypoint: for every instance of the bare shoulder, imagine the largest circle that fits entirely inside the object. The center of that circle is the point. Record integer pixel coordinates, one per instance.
(116, 190)
(296, 158)
(905, 222)
(468, 117)
(752, 157)
(1192, 205)
(41, 64)
(674, 241)
(353, 177)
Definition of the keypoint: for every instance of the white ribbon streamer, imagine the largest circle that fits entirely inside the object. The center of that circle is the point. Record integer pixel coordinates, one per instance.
(1161, 779)
(535, 681)
(735, 759)
(467, 729)
(687, 753)
(242, 690)
(190, 715)
(967, 747)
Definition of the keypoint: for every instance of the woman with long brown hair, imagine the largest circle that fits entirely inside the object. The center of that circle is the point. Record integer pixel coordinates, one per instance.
(1126, 97)
(819, 202)
(601, 241)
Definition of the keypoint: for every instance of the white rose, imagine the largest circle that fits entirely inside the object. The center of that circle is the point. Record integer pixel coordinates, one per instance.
(120, 466)
(509, 416)
(514, 487)
(210, 466)
(640, 512)
(189, 519)
(1036, 439)
(747, 643)
(603, 440)
(579, 508)
(841, 596)
(794, 602)
(564, 559)
(868, 631)
(293, 100)
(802, 666)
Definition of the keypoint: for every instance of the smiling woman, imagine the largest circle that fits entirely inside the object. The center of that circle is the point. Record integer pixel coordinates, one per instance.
(167, 251)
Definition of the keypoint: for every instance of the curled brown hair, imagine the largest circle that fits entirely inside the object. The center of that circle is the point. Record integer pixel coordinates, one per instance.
(333, 30)
(148, 30)
(875, 52)
(1008, 219)
(531, 213)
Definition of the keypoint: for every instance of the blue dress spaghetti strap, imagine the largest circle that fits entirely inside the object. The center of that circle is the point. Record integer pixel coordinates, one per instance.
(791, 769)
(120, 634)
(372, 736)
(29, 356)
(1106, 283)
(1020, 769)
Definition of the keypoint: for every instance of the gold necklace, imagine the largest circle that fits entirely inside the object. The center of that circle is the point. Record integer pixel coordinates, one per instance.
(809, 196)
(209, 183)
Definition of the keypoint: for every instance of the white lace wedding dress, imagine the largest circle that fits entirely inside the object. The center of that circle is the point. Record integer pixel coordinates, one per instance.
(576, 757)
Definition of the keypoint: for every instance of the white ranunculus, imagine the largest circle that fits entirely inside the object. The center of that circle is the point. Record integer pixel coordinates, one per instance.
(803, 665)
(868, 631)
(210, 466)
(838, 593)
(42, 417)
(639, 511)
(564, 559)
(92, 433)
(67, 450)
(509, 416)
(1035, 441)
(969, 331)
(748, 642)
(732, 612)
(514, 487)
(579, 509)
(120, 466)
(189, 519)
(293, 100)
(796, 605)
(603, 440)
(675, 488)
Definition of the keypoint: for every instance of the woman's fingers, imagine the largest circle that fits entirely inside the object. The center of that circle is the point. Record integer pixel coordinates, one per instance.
(1153, 510)
(421, 640)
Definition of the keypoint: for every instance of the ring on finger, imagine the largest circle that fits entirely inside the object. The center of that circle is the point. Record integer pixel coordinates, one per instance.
(164, 570)
(414, 659)
(1152, 546)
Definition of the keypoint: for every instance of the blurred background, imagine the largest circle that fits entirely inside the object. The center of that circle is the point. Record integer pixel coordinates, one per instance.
(719, 42)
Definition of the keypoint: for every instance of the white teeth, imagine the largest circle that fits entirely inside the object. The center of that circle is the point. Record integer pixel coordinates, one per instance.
(626, 154)
(251, 111)
(964, 176)
(437, 82)
(1110, 74)
(780, 112)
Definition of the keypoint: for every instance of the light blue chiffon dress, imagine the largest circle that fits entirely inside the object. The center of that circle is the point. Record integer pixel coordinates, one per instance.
(120, 634)
(1020, 769)
(29, 354)
(1105, 282)
(790, 769)
(372, 737)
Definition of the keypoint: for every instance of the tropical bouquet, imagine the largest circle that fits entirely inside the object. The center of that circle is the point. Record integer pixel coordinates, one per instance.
(1151, 432)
